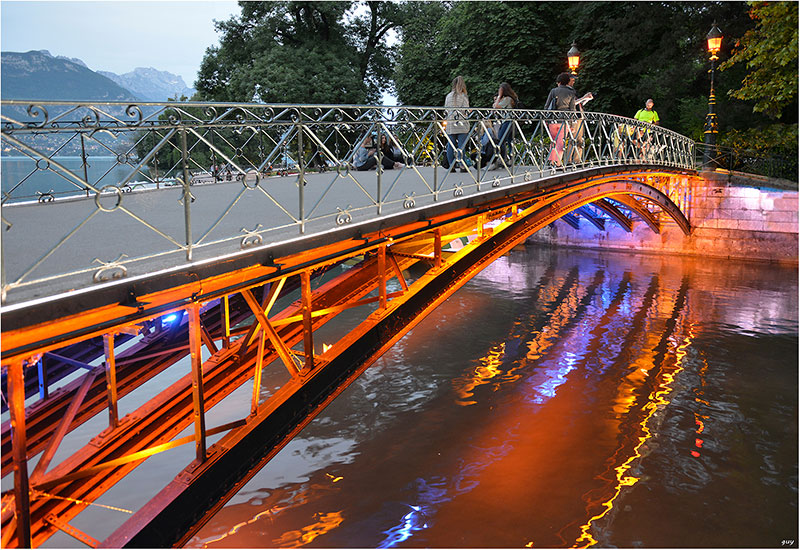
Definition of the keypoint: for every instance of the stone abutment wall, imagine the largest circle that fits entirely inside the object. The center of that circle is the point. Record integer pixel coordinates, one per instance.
(732, 217)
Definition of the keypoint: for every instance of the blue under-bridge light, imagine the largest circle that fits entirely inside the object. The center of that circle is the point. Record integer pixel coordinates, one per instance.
(170, 318)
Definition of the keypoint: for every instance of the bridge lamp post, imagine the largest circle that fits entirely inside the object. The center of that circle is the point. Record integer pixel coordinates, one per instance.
(573, 58)
(714, 40)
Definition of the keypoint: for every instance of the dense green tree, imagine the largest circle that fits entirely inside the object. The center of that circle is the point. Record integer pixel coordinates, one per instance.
(769, 52)
(301, 52)
(630, 51)
(485, 42)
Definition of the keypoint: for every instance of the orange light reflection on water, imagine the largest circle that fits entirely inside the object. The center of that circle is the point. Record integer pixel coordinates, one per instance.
(489, 368)
(657, 400)
(300, 537)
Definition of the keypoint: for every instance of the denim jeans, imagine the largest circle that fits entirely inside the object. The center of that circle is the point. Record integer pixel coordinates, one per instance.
(460, 140)
(504, 137)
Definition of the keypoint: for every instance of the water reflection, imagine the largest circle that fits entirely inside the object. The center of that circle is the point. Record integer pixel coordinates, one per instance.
(612, 400)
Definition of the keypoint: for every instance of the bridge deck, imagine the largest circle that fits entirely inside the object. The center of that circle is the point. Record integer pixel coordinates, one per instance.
(233, 224)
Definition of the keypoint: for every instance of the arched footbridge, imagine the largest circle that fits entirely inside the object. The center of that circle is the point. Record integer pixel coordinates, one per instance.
(206, 245)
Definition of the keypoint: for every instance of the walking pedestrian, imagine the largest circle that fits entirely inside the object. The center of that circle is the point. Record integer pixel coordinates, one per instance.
(457, 127)
(648, 114)
(560, 98)
(506, 98)
(643, 135)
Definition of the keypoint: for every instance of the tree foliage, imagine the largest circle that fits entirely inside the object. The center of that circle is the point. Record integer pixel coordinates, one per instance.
(338, 52)
(769, 52)
(485, 42)
(631, 51)
(301, 52)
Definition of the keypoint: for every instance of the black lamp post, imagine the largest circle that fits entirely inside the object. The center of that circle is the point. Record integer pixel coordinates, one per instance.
(573, 58)
(714, 40)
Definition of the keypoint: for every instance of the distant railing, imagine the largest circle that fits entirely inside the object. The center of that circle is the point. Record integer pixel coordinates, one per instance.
(751, 162)
(296, 162)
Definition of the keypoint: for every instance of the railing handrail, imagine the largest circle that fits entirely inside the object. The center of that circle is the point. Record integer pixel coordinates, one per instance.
(342, 107)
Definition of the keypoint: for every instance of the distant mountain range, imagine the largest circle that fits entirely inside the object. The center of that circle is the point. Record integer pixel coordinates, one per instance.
(150, 84)
(40, 75)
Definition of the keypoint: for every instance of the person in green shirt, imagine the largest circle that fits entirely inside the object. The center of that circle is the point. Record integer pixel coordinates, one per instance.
(644, 139)
(647, 114)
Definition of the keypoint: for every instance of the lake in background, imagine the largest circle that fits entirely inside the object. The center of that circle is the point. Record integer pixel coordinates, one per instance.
(22, 179)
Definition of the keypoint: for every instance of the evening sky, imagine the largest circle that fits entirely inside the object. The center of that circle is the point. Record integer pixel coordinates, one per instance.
(117, 36)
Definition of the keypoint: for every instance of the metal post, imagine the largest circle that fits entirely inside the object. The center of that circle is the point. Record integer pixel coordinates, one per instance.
(85, 164)
(382, 275)
(379, 168)
(308, 337)
(435, 138)
(111, 380)
(187, 209)
(155, 161)
(478, 158)
(16, 391)
(301, 181)
(195, 349)
(44, 391)
(437, 248)
(710, 130)
(226, 321)
(257, 374)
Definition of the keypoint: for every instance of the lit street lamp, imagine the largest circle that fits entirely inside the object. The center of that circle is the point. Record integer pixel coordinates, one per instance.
(714, 39)
(573, 58)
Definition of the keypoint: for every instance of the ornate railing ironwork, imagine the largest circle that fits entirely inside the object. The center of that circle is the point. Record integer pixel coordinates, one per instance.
(751, 162)
(173, 178)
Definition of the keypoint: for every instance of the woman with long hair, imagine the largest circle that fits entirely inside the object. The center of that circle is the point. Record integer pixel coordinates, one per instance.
(457, 126)
(506, 98)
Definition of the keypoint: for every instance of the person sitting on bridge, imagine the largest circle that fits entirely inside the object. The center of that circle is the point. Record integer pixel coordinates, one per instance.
(365, 158)
(392, 153)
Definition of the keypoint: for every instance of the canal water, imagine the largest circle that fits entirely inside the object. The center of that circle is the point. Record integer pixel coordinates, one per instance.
(562, 398)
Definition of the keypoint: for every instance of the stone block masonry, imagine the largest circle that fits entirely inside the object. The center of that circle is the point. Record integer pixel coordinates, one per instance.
(728, 221)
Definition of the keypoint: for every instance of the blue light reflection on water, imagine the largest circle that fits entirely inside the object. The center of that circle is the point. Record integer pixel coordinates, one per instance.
(431, 494)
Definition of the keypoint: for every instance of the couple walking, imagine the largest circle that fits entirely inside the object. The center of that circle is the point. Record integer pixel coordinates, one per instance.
(457, 125)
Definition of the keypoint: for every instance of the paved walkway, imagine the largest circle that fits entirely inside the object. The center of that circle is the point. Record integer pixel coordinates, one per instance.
(65, 244)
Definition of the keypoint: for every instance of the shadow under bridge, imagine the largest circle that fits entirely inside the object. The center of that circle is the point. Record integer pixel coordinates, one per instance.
(217, 238)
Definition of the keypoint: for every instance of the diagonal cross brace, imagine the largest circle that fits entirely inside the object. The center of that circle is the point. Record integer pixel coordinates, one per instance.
(280, 346)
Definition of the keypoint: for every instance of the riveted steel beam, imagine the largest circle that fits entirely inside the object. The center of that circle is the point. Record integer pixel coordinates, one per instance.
(615, 214)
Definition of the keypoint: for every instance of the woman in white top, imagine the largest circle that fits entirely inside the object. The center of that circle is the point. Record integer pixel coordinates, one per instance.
(457, 125)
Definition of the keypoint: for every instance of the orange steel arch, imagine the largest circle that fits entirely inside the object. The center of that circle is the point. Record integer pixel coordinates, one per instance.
(625, 191)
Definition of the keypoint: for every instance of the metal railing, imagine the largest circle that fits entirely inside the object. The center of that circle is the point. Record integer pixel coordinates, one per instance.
(171, 183)
(750, 162)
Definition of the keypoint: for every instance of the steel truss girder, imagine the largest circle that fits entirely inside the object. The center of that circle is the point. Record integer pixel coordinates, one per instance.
(219, 383)
(598, 222)
(153, 356)
(635, 206)
(615, 214)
